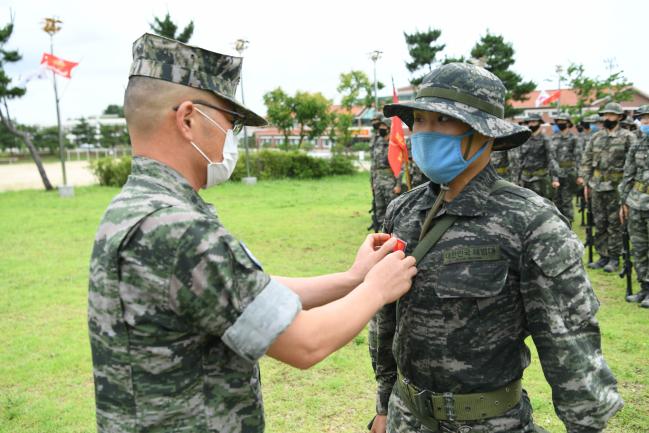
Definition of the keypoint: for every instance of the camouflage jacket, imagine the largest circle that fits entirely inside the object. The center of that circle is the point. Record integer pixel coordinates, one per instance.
(536, 156)
(505, 162)
(380, 168)
(509, 267)
(566, 150)
(179, 312)
(634, 188)
(582, 139)
(602, 164)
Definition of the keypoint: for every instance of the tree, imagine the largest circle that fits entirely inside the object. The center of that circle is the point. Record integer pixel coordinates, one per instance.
(497, 57)
(311, 114)
(8, 92)
(115, 109)
(422, 51)
(84, 133)
(340, 130)
(48, 138)
(110, 135)
(279, 111)
(167, 28)
(589, 90)
(356, 88)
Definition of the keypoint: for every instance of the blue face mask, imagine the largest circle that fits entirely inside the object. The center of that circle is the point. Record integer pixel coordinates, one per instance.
(594, 128)
(555, 129)
(644, 129)
(439, 156)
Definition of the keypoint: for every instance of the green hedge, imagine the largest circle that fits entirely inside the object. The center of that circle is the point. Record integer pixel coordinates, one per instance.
(263, 165)
(277, 165)
(112, 171)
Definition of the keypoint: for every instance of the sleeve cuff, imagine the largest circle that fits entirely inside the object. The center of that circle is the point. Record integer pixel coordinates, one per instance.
(267, 316)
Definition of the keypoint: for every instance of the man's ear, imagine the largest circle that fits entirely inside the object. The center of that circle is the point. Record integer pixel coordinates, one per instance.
(185, 120)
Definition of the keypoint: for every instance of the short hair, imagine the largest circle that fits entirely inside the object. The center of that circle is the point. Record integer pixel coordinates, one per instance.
(146, 99)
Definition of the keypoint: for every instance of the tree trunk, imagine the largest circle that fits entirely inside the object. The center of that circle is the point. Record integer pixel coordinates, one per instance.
(32, 150)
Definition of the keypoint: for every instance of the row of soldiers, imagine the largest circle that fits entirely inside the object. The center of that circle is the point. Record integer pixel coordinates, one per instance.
(605, 161)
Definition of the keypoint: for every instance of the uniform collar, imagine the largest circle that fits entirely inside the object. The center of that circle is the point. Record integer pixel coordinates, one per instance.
(471, 201)
(167, 179)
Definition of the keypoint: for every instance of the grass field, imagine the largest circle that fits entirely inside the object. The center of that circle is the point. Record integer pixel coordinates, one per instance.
(295, 228)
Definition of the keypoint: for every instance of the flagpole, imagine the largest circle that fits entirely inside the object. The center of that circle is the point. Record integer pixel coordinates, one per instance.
(52, 27)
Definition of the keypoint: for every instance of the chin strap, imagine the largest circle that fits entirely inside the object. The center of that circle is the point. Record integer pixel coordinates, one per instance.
(433, 211)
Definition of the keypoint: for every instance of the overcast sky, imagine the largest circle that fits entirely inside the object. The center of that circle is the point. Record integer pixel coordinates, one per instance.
(306, 45)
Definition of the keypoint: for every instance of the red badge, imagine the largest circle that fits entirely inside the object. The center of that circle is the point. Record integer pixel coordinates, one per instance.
(400, 245)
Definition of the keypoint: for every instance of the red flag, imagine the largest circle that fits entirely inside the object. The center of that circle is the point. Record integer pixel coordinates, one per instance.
(397, 150)
(544, 98)
(58, 65)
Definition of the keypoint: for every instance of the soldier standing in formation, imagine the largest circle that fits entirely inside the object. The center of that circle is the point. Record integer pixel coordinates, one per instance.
(602, 168)
(537, 166)
(385, 186)
(496, 263)
(564, 145)
(634, 196)
(180, 311)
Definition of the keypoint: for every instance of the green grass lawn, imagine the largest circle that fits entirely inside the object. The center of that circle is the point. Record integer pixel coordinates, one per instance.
(295, 228)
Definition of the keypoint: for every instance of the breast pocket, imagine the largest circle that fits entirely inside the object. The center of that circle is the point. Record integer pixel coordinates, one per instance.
(481, 306)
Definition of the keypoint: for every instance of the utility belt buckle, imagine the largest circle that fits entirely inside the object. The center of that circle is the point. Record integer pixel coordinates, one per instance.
(449, 406)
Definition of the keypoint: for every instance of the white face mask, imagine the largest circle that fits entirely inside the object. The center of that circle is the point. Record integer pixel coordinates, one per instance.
(219, 172)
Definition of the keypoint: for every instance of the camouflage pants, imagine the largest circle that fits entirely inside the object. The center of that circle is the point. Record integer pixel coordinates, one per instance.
(639, 234)
(608, 229)
(564, 195)
(516, 420)
(382, 186)
(539, 186)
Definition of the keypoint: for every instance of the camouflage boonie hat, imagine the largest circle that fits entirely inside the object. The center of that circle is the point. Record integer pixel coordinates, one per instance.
(612, 107)
(593, 118)
(562, 116)
(643, 109)
(470, 94)
(166, 59)
(628, 121)
(533, 116)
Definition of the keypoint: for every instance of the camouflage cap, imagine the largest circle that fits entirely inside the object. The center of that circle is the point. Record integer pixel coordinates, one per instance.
(166, 59)
(612, 107)
(470, 94)
(643, 109)
(628, 121)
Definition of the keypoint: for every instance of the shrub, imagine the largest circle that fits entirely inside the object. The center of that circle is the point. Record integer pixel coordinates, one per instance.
(112, 171)
(277, 165)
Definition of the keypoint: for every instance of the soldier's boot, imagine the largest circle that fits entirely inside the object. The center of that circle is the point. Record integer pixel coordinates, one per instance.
(638, 297)
(603, 261)
(645, 303)
(612, 265)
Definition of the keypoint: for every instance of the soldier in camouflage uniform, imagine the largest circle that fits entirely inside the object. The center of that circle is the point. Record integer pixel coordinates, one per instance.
(179, 311)
(589, 128)
(564, 145)
(385, 186)
(634, 196)
(451, 353)
(602, 167)
(537, 167)
(505, 163)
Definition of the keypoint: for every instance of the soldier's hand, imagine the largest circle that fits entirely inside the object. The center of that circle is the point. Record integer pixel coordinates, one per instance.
(624, 213)
(380, 424)
(580, 180)
(555, 184)
(392, 276)
(586, 193)
(397, 189)
(373, 249)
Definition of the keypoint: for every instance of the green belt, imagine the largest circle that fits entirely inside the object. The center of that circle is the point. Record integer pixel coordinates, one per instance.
(539, 172)
(567, 164)
(501, 170)
(641, 187)
(615, 177)
(459, 407)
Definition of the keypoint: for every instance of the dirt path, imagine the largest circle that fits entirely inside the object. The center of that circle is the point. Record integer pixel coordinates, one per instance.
(25, 175)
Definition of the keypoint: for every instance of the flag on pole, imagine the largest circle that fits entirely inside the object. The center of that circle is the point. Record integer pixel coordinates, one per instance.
(544, 98)
(58, 65)
(397, 150)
